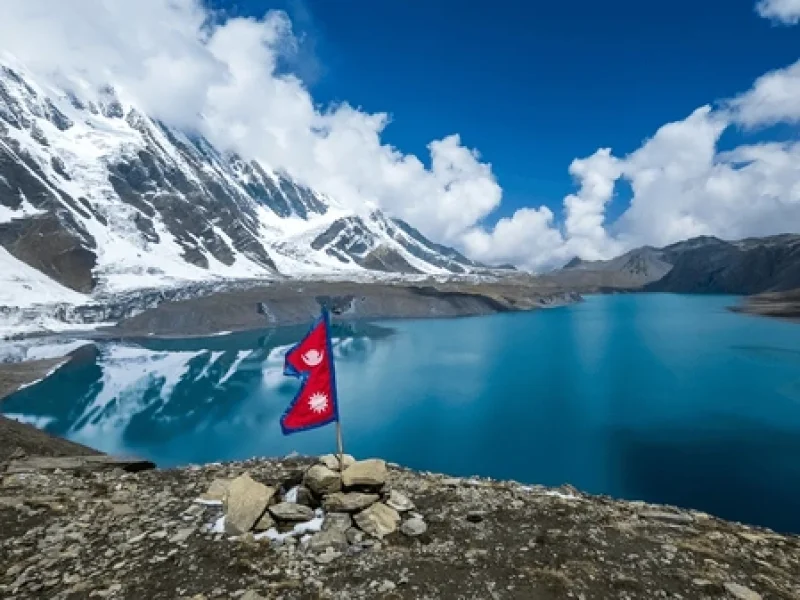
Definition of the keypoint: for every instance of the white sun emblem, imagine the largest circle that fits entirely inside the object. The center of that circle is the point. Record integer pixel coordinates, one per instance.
(313, 357)
(318, 402)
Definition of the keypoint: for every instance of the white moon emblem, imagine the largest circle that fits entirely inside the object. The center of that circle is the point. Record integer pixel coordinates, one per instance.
(318, 402)
(313, 357)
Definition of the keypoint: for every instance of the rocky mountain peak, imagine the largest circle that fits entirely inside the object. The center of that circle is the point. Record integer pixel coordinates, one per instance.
(99, 197)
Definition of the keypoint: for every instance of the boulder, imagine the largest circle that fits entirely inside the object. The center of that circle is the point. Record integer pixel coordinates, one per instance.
(378, 520)
(330, 538)
(399, 502)
(305, 497)
(322, 480)
(337, 520)
(217, 490)
(332, 461)
(370, 473)
(349, 501)
(245, 503)
(264, 523)
(289, 511)
(413, 527)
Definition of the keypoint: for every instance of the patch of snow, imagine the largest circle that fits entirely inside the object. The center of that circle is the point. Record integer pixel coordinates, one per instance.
(561, 495)
(312, 526)
(291, 495)
(205, 502)
(218, 526)
(23, 286)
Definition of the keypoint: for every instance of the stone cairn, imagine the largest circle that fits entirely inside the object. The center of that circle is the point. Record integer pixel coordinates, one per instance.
(328, 512)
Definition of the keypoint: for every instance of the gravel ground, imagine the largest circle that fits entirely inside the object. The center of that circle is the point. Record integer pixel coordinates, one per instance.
(110, 534)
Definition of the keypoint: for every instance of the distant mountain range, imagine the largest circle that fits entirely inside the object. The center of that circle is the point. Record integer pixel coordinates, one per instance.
(699, 265)
(96, 196)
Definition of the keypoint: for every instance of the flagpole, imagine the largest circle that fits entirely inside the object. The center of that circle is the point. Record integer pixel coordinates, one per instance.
(339, 446)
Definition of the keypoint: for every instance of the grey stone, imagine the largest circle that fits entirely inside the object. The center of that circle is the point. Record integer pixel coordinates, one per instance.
(378, 520)
(265, 522)
(667, 517)
(413, 527)
(354, 536)
(741, 592)
(251, 595)
(217, 490)
(305, 497)
(328, 556)
(289, 511)
(332, 461)
(322, 480)
(371, 472)
(338, 521)
(475, 516)
(399, 501)
(245, 503)
(182, 535)
(349, 502)
(331, 538)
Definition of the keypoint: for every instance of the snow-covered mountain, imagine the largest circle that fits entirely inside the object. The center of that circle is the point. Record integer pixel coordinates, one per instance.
(96, 197)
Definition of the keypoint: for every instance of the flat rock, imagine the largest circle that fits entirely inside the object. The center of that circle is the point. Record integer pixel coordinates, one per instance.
(246, 502)
(332, 461)
(741, 592)
(330, 538)
(666, 517)
(399, 501)
(378, 520)
(289, 511)
(371, 472)
(337, 520)
(413, 527)
(349, 501)
(217, 490)
(322, 480)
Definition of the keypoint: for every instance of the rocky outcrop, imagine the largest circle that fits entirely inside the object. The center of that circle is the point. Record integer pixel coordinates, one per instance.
(785, 305)
(154, 535)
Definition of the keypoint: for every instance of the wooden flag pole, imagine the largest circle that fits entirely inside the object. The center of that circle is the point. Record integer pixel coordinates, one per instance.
(339, 446)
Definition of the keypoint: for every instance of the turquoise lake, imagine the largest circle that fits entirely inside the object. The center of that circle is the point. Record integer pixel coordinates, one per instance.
(663, 398)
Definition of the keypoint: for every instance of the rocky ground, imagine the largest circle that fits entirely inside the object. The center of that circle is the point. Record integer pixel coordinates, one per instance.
(68, 534)
(297, 302)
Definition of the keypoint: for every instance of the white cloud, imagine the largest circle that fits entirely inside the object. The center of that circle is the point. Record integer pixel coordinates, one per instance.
(191, 68)
(188, 68)
(783, 11)
(774, 98)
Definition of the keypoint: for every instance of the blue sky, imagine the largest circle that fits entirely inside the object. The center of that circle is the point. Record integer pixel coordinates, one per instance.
(607, 125)
(531, 85)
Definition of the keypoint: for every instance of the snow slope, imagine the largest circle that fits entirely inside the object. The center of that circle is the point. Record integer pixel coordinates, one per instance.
(97, 198)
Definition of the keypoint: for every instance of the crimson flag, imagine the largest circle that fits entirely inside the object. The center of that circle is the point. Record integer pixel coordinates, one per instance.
(312, 361)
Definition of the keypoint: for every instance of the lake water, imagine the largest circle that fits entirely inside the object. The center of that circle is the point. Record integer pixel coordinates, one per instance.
(663, 398)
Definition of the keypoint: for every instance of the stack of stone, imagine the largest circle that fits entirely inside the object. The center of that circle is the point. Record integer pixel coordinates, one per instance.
(330, 509)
